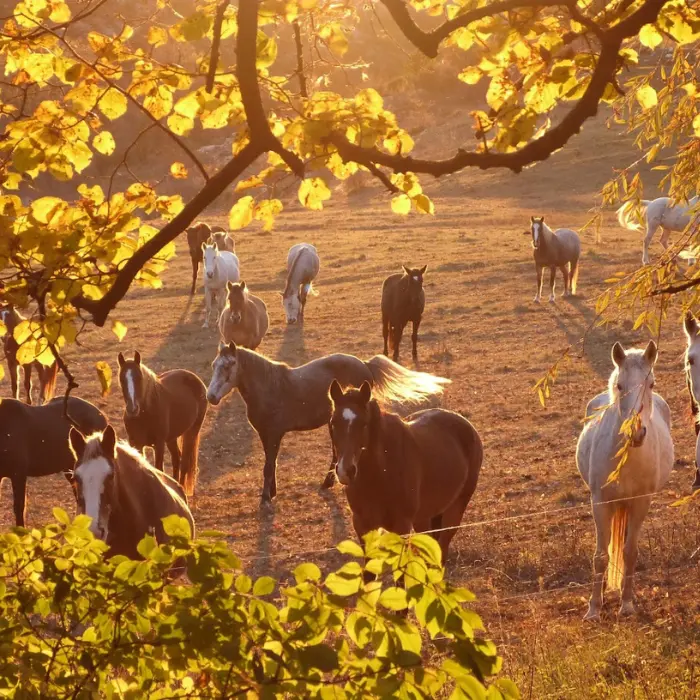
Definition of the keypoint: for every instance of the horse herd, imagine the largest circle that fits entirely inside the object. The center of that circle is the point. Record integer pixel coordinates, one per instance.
(414, 473)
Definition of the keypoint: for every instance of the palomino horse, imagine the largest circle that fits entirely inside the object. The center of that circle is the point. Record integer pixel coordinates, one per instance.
(47, 375)
(657, 212)
(419, 473)
(281, 399)
(244, 320)
(619, 508)
(124, 495)
(403, 300)
(203, 233)
(167, 409)
(692, 379)
(34, 441)
(555, 249)
(303, 265)
(220, 267)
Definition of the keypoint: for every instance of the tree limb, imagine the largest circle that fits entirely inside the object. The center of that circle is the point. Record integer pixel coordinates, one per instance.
(301, 75)
(215, 43)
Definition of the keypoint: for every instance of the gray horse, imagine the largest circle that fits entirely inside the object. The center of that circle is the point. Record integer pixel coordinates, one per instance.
(555, 249)
(303, 265)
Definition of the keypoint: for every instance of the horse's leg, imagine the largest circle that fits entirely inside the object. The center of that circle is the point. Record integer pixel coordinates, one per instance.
(271, 445)
(636, 512)
(602, 515)
(665, 235)
(207, 306)
(14, 378)
(552, 280)
(28, 382)
(565, 275)
(174, 450)
(330, 479)
(195, 268)
(538, 296)
(19, 497)
(385, 333)
(398, 334)
(159, 453)
(414, 338)
(651, 230)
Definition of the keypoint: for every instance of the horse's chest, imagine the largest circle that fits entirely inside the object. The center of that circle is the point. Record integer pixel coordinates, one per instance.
(141, 432)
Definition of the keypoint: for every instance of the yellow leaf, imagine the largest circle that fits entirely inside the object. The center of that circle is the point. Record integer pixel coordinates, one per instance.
(696, 125)
(424, 204)
(470, 76)
(266, 211)
(313, 192)
(104, 143)
(646, 96)
(401, 204)
(241, 213)
(119, 329)
(2, 372)
(649, 36)
(45, 209)
(178, 171)
(104, 375)
(157, 36)
(3, 329)
(180, 125)
(113, 104)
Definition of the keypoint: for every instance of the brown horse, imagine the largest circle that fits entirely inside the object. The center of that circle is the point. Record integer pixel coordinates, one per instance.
(419, 473)
(244, 320)
(47, 375)
(403, 300)
(200, 233)
(124, 495)
(159, 410)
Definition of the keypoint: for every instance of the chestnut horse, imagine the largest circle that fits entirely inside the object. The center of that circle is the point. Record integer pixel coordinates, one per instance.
(417, 473)
(244, 319)
(167, 409)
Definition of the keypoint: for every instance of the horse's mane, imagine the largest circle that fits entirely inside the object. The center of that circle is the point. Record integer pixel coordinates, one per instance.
(151, 383)
(264, 372)
(292, 269)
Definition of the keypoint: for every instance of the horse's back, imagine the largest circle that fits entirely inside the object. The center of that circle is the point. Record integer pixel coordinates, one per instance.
(306, 258)
(182, 379)
(261, 317)
(231, 265)
(570, 242)
(391, 290)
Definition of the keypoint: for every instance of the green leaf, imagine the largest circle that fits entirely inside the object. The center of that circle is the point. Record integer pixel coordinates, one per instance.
(61, 515)
(319, 656)
(351, 548)
(264, 586)
(177, 526)
(393, 598)
(307, 572)
(343, 585)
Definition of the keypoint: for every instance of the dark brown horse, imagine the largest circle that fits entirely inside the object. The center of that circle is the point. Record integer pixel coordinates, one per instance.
(123, 494)
(162, 409)
(403, 300)
(203, 233)
(34, 441)
(47, 375)
(414, 474)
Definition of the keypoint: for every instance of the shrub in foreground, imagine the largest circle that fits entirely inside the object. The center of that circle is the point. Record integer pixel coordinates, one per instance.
(73, 624)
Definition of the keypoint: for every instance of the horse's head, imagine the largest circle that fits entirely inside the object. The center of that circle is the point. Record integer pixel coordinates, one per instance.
(210, 253)
(131, 382)
(536, 230)
(237, 298)
(225, 376)
(94, 478)
(415, 280)
(350, 427)
(631, 385)
(692, 352)
(291, 301)
(220, 239)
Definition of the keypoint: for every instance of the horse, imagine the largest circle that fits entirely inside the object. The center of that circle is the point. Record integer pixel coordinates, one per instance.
(34, 441)
(417, 473)
(692, 380)
(244, 320)
(125, 497)
(619, 508)
(221, 267)
(555, 249)
(303, 265)
(403, 300)
(203, 233)
(167, 409)
(281, 399)
(657, 212)
(47, 375)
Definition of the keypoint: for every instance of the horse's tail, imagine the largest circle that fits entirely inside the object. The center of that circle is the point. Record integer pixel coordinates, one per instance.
(618, 533)
(189, 462)
(574, 275)
(625, 215)
(49, 376)
(396, 384)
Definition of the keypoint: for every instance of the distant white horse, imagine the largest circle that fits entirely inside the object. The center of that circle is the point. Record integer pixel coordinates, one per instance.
(220, 268)
(303, 265)
(692, 379)
(620, 507)
(658, 212)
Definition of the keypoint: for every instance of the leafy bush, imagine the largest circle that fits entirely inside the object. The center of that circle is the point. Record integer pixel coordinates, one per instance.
(73, 624)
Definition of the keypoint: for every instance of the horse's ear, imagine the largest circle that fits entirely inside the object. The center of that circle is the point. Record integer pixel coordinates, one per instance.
(204, 246)
(365, 392)
(137, 357)
(335, 392)
(406, 270)
(541, 219)
(222, 346)
(242, 285)
(109, 442)
(651, 353)
(618, 354)
(232, 347)
(690, 323)
(77, 442)
(121, 360)
(532, 219)
(423, 269)
(229, 285)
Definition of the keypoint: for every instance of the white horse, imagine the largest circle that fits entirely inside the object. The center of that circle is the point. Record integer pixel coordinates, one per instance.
(692, 378)
(620, 507)
(658, 212)
(220, 268)
(303, 265)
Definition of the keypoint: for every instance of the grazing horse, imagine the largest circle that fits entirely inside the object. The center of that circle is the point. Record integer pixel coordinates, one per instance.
(417, 473)
(403, 300)
(47, 375)
(34, 441)
(692, 380)
(657, 212)
(303, 265)
(244, 320)
(555, 249)
(220, 267)
(281, 399)
(124, 495)
(619, 508)
(167, 409)
(203, 233)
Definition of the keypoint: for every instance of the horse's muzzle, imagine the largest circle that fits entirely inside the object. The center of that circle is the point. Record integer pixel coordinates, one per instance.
(210, 275)
(639, 436)
(291, 321)
(132, 411)
(213, 400)
(236, 318)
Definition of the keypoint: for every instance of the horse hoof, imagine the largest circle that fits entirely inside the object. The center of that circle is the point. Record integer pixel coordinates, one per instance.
(626, 609)
(551, 300)
(536, 300)
(329, 481)
(593, 615)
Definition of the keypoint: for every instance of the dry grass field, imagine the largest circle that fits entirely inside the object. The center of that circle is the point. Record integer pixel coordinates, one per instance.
(528, 542)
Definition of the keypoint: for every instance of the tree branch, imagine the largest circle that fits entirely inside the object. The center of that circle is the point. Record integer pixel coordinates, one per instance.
(301, 75)
(215, 43)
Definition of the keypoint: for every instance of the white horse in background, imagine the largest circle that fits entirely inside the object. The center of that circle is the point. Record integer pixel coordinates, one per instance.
(220, 268)
(620, 507)
(692, 379)
(658, 212)
(303, 265)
